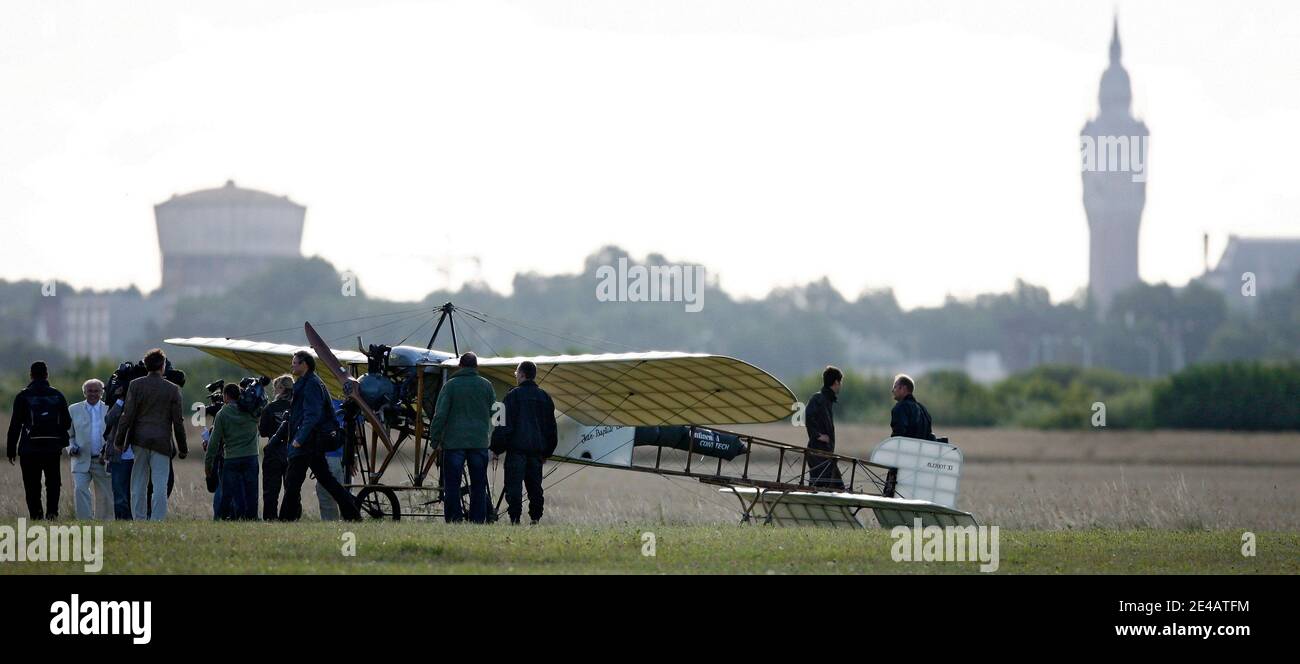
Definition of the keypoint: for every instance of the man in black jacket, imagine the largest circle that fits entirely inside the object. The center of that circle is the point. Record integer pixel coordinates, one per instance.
(908, 418)
(527, 438)
(38, 432)
(819, 420)
(275, 459)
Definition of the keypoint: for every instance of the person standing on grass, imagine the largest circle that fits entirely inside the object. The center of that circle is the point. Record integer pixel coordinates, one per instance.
(329, 509)
(527, 439)
(275, 457)
(234, 439)
(119, 461)
(311, 431)
(86, 449)
(38, 432)
(819, 420)
(462, 423)
(152, 415)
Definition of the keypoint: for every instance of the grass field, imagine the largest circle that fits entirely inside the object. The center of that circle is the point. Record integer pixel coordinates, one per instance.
(1086, 501)
(190, 547)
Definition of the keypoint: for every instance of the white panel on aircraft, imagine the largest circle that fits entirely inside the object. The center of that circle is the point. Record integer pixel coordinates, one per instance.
(927, 469)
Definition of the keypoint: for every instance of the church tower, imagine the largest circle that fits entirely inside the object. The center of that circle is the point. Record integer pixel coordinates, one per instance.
(1113, 148)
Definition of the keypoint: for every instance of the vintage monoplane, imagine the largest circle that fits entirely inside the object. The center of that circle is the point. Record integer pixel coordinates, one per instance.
(650, 412)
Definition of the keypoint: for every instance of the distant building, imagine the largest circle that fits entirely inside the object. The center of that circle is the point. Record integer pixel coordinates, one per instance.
(212, 238)
(1114, 155)
(95, 325)
(208, 239)
(1274, 263)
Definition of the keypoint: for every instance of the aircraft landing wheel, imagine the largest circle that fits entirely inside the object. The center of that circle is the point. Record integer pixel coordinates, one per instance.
(378, 502)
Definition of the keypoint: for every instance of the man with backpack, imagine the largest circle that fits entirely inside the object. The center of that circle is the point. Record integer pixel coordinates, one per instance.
(38, 432)
(310, 432)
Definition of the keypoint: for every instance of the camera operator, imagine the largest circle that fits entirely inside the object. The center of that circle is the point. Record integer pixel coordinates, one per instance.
(234, 439)
(276, 456)
(212, 468)
(119, 461)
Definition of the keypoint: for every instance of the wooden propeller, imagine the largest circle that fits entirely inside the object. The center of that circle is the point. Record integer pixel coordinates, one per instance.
(350, 385)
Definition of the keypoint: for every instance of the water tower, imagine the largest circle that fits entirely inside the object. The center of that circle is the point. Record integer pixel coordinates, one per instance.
(213, 238)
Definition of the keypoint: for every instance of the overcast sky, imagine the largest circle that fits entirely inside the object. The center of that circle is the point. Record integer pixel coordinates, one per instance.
(927, 146)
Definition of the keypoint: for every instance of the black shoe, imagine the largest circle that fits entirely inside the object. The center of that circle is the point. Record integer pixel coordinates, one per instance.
(534, 522)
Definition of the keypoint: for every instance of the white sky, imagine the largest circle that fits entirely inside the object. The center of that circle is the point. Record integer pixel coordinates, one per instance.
(927, 146)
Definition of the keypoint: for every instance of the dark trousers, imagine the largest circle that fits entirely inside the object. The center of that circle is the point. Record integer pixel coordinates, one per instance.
(34, 465)
(274, 464)
(121, 473)
(296, 474)
(823, 471)
(453, 463)
(524, 470)
(239, 489)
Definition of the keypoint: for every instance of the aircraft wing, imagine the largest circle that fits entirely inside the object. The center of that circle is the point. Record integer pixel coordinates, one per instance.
(651, 389)
(268, 359)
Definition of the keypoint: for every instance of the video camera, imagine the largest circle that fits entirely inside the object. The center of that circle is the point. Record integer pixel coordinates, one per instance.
(252, 395)
(129, 371)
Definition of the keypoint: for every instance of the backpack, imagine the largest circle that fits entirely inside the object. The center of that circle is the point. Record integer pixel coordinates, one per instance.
(43, 420)
(328, 435)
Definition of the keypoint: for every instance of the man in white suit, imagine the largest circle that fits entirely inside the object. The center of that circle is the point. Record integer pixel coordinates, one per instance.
(86, 448)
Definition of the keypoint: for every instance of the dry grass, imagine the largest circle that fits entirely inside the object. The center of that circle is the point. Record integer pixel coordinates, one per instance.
(1013, 478)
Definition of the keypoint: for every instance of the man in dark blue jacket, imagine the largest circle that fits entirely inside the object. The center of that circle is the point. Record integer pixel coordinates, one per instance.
(908, 418)
(38, 432)
(527, 438)
(311, 431)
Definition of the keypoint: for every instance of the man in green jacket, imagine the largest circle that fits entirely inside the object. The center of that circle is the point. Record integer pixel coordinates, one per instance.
(234, 439)
(462, 424)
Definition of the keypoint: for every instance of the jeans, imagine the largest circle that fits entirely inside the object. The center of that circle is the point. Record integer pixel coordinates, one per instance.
(121, 473)
(274, 463)
(296, 474)
(453, 463)
(101, 507)
(150, 466)
(217, 514)
(171, 482)
(34, 465)
(238, 489)
(329, 510)
(524, 470)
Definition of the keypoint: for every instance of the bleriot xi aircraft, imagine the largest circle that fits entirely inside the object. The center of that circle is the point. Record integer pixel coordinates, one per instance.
(642, 412)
